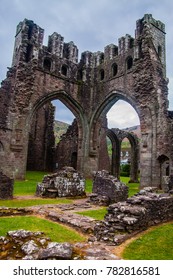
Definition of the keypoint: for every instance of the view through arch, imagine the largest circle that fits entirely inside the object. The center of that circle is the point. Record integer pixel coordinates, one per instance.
(123, 117)
(49, 123)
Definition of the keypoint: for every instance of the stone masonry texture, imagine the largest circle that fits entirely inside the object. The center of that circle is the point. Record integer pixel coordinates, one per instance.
(134, 71)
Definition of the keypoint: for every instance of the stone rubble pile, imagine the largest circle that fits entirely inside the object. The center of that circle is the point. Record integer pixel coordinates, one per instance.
(107, 189)
(27, 245)
(136, 214)
(64, 183)
(14, 211)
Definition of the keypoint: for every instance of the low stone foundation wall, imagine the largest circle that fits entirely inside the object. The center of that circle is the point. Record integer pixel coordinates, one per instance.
(64, 183)
(136, 214)
(107, 189)
(6, 187)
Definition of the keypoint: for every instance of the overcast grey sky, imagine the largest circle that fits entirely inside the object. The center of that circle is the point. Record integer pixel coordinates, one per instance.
(91, 24)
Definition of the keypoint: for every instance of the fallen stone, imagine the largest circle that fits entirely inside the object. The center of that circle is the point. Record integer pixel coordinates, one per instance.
(58, 251)
(108, 189)
(30, 247)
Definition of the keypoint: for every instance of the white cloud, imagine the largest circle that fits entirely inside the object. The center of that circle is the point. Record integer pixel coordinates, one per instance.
(122, 115)
(62, 113)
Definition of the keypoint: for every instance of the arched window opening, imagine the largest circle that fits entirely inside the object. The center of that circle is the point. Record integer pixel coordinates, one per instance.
(114, 69)
(30, 29)
(47, 64)
(102, 74)
(80, 75)
(164, 172)
(131, 43)
(64, 70)
(160, 51)
(115, 51)
(102, 58)
(28, 54)
(129, 63)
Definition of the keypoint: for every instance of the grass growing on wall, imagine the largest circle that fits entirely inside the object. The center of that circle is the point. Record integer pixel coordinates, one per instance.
(95, 214)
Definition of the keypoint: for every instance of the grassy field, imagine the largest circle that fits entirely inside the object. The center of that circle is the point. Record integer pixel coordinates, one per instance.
(28, 186)
(154, 245)
(95, 214)
(133, 187)
(54, 231)
(31, 202)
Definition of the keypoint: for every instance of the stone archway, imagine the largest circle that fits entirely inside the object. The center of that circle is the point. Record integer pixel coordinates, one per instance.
(132, 72)
(116, 135)
(74, 107)
(115, 161)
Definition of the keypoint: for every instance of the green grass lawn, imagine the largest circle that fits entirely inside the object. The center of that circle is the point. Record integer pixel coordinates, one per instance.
(32, 202)
(28, 186)
(133, 187)
(154, 245)
(95, 214)
(89, 185)
(55, 231)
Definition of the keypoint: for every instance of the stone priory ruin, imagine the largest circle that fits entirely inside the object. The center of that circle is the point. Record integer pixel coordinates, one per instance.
(134, 71)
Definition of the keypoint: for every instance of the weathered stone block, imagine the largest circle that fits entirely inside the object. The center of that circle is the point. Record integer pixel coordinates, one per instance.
(64, 183)
(6, 187)
(105, 185)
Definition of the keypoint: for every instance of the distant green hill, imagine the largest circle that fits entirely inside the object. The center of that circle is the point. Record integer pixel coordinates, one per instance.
(59, 129)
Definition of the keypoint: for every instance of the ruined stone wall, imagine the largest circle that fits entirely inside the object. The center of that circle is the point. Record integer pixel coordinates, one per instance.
(6, 187)
(66, 150)
(107, 189)
(133, 71)
(41, 146)
(136, 214)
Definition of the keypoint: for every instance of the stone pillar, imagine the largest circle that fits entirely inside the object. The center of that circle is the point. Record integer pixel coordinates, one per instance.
(134, 165)
(145, 161)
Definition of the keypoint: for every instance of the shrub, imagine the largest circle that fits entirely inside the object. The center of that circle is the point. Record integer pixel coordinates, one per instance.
(125, 170)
